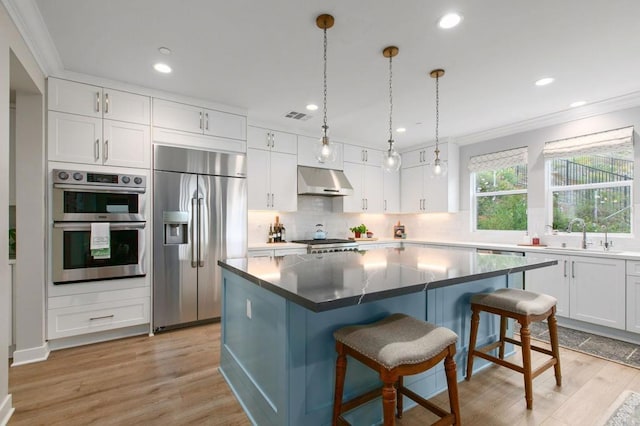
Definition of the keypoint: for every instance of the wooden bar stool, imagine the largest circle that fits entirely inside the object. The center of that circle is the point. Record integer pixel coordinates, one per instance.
(525, 307)
(396, 346)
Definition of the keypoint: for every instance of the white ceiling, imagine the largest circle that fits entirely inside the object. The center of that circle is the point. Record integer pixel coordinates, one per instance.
(266, 56)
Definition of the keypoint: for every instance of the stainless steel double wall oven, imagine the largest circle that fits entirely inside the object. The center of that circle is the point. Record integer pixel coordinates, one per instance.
(81, 198)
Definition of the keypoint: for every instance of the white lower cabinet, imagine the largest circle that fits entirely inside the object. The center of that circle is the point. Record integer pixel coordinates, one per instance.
(633, 296)
(92, 312)
(551, 280)
(589, 289)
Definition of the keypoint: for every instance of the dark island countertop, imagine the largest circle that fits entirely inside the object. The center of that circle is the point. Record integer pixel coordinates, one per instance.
(326, 281)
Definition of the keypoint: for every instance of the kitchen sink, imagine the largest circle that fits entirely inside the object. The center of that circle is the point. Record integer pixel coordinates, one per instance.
(587, 250)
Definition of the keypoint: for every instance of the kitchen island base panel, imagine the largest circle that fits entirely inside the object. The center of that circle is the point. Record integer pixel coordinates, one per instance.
(279, 358)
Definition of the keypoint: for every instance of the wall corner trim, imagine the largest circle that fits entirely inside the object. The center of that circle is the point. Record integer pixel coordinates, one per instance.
(6, 410)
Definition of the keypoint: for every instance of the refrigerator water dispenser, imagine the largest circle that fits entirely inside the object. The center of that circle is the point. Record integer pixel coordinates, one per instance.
(176, 226)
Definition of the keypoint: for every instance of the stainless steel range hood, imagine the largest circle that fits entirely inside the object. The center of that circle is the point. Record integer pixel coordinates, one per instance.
(326, 182)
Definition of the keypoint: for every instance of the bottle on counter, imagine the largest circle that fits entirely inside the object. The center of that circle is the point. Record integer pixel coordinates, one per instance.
(283, 234)
(270, 240)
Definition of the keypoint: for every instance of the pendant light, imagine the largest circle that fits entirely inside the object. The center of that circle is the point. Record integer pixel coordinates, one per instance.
(392, 159)
(324, 150)
(439, 167)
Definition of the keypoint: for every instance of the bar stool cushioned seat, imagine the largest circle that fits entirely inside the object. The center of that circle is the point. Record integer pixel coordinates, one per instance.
(525, 307)
(396, 346)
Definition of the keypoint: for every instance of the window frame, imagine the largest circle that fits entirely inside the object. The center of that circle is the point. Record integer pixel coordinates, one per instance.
(474, 201)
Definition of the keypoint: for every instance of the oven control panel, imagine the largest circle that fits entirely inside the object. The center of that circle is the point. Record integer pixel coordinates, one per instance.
(92, 178)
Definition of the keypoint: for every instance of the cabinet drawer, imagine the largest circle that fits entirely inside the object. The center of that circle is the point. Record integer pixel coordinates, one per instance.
(287, 252)
(260, 253)
(75, 320)
(86, 299)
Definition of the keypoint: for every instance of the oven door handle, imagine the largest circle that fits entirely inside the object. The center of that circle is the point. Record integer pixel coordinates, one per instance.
(86, 226)
(100, 189)
(194, 233)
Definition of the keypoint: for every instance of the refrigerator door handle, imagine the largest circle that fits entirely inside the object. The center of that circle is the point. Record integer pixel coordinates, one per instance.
(194, 242)
(200, 214)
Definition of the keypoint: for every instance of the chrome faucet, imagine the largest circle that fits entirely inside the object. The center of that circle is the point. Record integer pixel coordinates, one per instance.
(584, 230)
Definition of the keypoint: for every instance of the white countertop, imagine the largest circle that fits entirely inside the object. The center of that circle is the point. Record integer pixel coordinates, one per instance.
(595, 251)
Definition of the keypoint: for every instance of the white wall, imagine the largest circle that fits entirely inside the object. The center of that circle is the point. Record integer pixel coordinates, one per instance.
(10, 40)
(458, 226)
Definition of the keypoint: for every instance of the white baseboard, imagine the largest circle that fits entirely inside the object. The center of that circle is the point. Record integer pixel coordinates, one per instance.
(28, 356)
(6, 410)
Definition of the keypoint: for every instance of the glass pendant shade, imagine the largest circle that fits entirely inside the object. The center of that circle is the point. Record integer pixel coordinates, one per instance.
(392, 160)
(324, 150)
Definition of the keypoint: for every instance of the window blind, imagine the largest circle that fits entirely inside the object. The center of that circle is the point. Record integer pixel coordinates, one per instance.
(498, 160)
(594, 143)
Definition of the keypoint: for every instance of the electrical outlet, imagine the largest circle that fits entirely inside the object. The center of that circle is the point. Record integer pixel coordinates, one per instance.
(248, 308)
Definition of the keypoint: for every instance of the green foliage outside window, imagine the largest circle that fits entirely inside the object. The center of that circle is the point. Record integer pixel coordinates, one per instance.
(501, 199)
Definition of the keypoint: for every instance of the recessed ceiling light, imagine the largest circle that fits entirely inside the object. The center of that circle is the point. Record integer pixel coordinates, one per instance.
(577, 104)
(163, 68)
(401, 130)
(544, 81)
(164, 50)
(449, 20)
(312, 107)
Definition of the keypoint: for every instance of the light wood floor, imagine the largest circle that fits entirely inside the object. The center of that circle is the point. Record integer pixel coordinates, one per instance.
(172, 379)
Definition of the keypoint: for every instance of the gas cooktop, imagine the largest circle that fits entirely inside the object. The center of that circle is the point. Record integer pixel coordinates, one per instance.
(325, 241)
(328, 245)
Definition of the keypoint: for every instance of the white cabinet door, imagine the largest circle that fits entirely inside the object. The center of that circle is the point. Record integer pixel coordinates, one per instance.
(354, 153)
(74, 138)
(258, 175)
(598, 291)
(414, 158)
(284, 142)
(411, 181)
(125, 106)
(552, 280)
(372, 189)
(373, 157)
(284, 172)
(74, 98)
(355, 174)
(633, 303)
(224, 125)
(258, 138)
(391, 192)
(126, 144)
(307, 157)
(174, 115)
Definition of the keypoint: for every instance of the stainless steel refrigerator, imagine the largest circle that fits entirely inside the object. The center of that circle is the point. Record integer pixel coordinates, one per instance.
(199, 216)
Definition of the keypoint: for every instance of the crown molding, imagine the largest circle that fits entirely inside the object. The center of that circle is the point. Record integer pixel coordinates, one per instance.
(27, 18)
(617, 103)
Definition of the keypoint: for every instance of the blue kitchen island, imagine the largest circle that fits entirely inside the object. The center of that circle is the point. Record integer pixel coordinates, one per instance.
(279, 314)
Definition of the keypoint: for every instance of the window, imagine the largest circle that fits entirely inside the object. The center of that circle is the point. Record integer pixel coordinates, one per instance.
(500, 190)
(591, 177)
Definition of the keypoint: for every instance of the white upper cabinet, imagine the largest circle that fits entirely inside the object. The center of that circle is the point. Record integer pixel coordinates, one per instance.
(359, 154)
(307, 156)
(272, 140)
(195, 119)
(94, 101)
(391, 192)
(422, 190)
(95, 125)
(270, 176)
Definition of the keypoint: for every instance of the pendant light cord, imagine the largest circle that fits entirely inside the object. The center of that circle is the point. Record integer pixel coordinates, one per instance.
(437, 111)
(325, 127)
(390, 101)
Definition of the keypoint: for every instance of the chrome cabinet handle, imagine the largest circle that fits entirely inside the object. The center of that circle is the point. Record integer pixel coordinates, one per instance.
(106, 149)
(206, 121)
(273, 140)
(97, 101)
(565, 269)
(362, 203)
(200, 231)
(194, 206)
(268, 200)
(106, 103)
(366, 155)
(96, 149)
(385, 205)
(366, 203)
(362, 155)
(573, 269)
(273, 199)
(103, 317)
(200, 120)
(268, 140)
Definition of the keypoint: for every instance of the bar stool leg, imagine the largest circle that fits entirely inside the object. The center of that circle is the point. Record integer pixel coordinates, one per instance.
(341, 369)
(475, 319)
(399, 398)
(552, 322)
(388, 398)
(503, 334)
(525, 337)
(452, 383)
